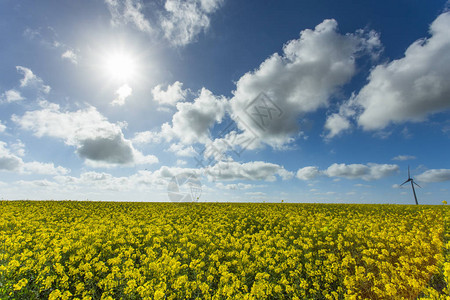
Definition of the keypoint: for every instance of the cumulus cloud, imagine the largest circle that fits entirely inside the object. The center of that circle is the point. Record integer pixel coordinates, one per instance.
(97, 140)
(28, 76)
(122, 94)
(30, 79)
(256, 193)
(410, 88)
(48, 37)
(404, 157)
(10, 160)
(171, 96)
(71, 56)
(370, 171)
(300, 80)
(184, 20)
(42, 183)
(141, 180)
(234, 186)
(128, 11)
(44, 168)
(347, 171)
(2, 127)
(434, 175)
(101, 181)
(111, 149)
(169, 172)
(181, 162)
(147, 137)
(12, 96)
(179, 21)
(182, 150)
(255, 170)
(193, 120)
(367, 172)
(336, 124)
(308, 173)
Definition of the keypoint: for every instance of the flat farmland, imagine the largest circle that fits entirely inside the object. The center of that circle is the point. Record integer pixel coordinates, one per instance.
(130, 250)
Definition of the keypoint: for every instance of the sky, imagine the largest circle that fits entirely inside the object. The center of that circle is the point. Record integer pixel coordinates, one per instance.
(261, 101)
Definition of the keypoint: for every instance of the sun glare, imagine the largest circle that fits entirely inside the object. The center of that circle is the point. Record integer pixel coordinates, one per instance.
(120, 66)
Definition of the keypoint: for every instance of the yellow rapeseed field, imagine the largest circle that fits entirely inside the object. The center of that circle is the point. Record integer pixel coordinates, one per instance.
(110, 250)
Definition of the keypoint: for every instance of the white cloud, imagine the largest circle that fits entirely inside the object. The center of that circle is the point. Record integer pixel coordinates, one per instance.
(48, 37)
(18, 148)
(255, 170)
(169, 172)
(42, 183)
(32, 33)
(382, 134)
(366, 172)
(2, 127)
(256, 193)
(285, 174)
(12, 96)
(404, 157)
(308, 173)
(147, 137)
(140, 186)
(165, 109)
(434, 175)
(44, 168)
(128, 11)
(410, 88)
(122, 94)
(193, 120)
(234, 186)
(10, 161)
(171, 96)
(71, 56)
(142, 180)
(300, 80)
(95, 176)
(181, 162)
(100, 181)
(351, 171)
(185, 20)
(336, 124)
(96, 139)
(28, 76)
(182, 150)
(180, 21)
(30, 79)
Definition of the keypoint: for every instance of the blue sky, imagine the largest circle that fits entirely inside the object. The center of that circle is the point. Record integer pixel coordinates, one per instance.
(305, 101)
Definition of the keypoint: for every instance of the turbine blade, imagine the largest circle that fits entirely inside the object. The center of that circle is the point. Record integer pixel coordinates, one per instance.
(404, 182)
(417, 184)
(409, 176)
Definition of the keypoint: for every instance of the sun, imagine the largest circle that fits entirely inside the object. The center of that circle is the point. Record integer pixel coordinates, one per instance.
(120, 66)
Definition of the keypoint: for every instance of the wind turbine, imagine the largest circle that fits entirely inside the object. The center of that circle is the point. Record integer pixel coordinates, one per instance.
(412, 185)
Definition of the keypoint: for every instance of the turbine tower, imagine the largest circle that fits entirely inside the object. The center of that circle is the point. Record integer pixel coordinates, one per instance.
(412, 185)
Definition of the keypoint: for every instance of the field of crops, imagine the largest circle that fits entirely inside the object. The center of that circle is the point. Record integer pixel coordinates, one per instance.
(94, 250)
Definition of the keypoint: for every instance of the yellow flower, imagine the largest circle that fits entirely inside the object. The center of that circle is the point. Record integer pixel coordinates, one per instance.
(56, 294)
(158, 295)
(22, 283)
(209, 251)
